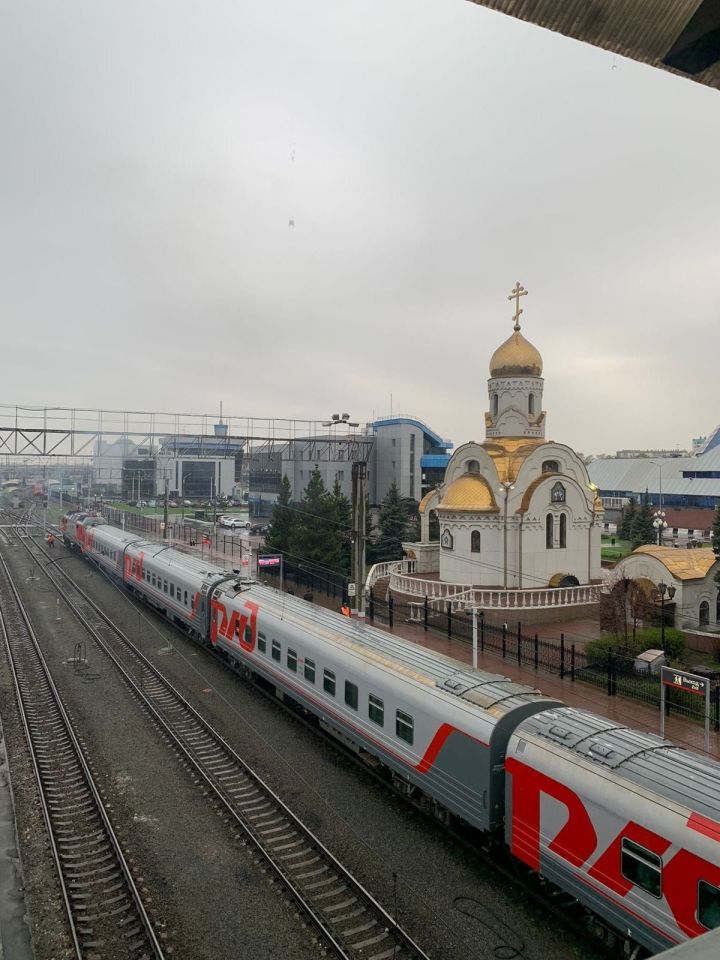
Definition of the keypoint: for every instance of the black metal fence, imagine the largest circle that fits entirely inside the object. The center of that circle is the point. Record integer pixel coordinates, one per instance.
(616, 674)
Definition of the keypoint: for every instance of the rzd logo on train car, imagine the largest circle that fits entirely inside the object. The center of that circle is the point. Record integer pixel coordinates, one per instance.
(576, 843)
(237, 625)
(134, 567)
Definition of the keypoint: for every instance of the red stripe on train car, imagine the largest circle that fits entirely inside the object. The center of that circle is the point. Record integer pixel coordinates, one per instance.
(438, 742)
(704, 825)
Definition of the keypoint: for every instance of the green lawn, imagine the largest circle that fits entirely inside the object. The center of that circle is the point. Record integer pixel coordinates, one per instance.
(616, 551)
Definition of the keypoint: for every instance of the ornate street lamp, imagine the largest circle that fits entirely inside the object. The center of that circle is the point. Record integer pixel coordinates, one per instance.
(663, 589)
(659, 524)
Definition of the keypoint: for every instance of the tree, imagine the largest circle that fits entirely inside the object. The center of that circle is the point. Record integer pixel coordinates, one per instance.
(392, 527)
(314, 537)
(642, 530)
(281, 522)
(628, 516)
(716, 539)
(342, 511)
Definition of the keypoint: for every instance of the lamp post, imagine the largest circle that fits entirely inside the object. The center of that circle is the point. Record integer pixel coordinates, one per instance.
(506, 487)
(663, 589)
(659, 524)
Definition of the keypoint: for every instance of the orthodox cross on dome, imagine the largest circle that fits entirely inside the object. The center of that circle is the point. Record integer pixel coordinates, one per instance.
(518, 292)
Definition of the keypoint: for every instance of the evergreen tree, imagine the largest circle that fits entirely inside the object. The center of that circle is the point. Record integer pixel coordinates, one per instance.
(625, 528)
(342, 510)
(643, 530)
(314, 536)
(392, 527)
(282, 520)
(716, 532)
(716, 540)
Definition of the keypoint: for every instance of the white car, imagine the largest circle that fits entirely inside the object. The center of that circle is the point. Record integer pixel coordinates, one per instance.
(233, 523)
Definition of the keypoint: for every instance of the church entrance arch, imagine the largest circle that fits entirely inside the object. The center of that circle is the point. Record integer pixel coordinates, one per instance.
(564, 580)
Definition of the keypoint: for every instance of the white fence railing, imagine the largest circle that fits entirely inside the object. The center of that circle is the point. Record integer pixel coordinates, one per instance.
(380, 570)
(465, 596)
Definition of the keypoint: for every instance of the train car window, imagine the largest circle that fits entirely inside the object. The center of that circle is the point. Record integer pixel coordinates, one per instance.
(185, 597)
(376, 710)
(248, 635)
(153, 580)
(404, 726)
(262, 645)
(276, 651)
(165, 586)
(172, 589)
(329, 682)
(708, 905)
(641, 867)
(310, 670)
(292, 660)
(351, 695)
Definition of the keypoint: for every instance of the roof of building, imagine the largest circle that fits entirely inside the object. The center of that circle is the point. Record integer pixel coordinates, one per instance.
(509, 454)
(689, 518)
(682, 564)
(422, 506)
(435, 438)
(471, 491)
(517, 357)
(676, 35)
(625, 476)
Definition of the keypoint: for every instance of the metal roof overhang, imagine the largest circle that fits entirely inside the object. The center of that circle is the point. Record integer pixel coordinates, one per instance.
(681, 36)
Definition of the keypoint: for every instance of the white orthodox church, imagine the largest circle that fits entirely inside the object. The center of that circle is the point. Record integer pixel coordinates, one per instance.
(517, 511)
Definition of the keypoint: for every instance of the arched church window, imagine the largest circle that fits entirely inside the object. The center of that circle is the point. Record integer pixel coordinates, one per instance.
(496, 404)
(557, 495)
(550, 466)
(531, 404)
(704, 612)
(473, 466)
(549, 531)
(475, 541)
(563, 530)
(717, 608)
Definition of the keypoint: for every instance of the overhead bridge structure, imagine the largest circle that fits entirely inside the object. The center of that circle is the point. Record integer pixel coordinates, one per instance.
(75, 434)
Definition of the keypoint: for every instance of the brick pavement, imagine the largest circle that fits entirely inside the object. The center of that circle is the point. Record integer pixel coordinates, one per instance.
(631, 713)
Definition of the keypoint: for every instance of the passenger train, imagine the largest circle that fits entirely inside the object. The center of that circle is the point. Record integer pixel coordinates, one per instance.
(624, 822)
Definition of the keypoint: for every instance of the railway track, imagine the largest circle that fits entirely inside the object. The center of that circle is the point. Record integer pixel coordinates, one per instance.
(106, 915)
(348, 919)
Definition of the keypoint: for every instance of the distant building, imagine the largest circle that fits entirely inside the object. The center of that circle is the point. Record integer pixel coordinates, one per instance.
(689, 481)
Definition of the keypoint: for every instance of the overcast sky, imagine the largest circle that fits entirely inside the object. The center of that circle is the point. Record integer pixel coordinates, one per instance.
(307, 207)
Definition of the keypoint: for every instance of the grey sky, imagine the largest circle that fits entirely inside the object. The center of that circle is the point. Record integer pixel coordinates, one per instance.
(429, 154)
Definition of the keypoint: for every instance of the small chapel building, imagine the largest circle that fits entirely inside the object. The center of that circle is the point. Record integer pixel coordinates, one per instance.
(516, 512)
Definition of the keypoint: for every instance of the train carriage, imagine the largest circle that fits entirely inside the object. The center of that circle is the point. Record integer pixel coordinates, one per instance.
(436, 727)
(625, 821)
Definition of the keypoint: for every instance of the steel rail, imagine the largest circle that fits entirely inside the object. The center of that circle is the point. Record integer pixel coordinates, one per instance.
(92, 870)
(351, 921)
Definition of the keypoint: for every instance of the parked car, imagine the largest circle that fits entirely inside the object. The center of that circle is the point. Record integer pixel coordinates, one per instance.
(232, 523)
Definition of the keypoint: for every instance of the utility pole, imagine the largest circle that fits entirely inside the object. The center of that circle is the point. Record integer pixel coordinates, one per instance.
(165, 510)
(359, 499)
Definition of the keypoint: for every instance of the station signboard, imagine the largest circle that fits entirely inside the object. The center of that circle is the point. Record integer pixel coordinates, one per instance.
(690, 683)
(682, 680)
(268, 561)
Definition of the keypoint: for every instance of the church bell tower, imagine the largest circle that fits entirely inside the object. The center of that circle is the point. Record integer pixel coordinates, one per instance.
(515, 386)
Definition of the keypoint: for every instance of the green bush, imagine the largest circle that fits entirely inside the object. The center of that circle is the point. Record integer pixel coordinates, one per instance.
(649, 638)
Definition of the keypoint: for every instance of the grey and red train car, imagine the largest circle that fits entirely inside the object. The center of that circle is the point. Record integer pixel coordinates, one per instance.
(626, 823)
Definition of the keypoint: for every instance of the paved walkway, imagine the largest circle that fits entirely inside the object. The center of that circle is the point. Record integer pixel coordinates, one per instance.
(631, 713)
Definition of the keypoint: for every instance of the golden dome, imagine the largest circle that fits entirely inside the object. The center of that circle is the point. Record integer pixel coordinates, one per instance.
(469, 492)
(517, 357)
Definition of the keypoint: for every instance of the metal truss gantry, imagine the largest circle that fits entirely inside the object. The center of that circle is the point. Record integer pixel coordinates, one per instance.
(77, 435)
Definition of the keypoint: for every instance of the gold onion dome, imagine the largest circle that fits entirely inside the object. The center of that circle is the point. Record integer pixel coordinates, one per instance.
(469, 492)
(517, 357)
